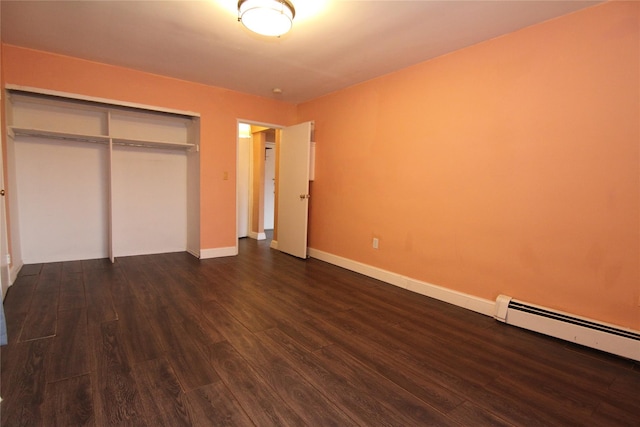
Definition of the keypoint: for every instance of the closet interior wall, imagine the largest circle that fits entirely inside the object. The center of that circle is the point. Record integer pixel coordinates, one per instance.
(96, 179)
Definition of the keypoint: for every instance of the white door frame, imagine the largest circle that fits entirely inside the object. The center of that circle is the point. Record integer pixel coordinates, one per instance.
(5, 276)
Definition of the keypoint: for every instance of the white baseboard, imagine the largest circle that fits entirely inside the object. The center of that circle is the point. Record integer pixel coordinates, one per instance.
(13, 275)
(257, 236)
(193, 251)
(218, 252)
(460, 299)
(274, 244)
(13, 272)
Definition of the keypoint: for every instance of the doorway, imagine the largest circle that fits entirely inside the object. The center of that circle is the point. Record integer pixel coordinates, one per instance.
(256, 180)
(292, 157)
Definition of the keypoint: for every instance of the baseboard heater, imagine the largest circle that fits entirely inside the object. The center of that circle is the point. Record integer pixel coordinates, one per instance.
(590, 333)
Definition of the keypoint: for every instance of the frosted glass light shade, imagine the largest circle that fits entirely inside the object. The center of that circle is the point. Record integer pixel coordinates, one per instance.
(267, 17)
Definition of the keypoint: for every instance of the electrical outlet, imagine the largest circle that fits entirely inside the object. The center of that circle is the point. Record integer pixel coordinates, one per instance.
(375, 243)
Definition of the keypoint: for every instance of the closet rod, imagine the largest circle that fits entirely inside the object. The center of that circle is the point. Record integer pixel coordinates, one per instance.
(160, 145)
(59, 137)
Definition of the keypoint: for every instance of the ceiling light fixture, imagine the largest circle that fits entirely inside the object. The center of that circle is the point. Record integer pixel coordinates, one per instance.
(267, 17)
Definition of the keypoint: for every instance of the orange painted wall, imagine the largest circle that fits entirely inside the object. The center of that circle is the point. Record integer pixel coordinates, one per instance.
(511, 167)
(218, 108)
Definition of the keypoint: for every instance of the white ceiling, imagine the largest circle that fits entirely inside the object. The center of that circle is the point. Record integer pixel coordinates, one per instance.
(333, 44)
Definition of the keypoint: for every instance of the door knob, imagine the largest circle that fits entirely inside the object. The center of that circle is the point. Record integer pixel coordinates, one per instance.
(2, 192)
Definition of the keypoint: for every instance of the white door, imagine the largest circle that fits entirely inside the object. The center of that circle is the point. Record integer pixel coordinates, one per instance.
(293, 189)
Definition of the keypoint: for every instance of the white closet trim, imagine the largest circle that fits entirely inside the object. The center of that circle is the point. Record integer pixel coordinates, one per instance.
(107, 101)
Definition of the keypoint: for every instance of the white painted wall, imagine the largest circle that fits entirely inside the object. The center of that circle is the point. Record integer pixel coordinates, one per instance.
(144, 126)
(62, 200)
(60, 116)
(149, 190)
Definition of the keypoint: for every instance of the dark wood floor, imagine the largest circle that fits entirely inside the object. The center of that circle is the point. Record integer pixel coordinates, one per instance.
(266, 339)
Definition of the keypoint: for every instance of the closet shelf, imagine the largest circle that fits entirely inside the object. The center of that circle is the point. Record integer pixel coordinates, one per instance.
(152, 144)
(15, 131)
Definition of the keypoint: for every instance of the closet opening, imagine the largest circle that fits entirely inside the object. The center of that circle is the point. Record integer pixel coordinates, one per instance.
(94, 178)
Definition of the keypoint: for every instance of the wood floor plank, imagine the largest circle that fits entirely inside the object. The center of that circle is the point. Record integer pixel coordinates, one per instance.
(366, 396)
(187, 296)
(23, 387)
(274, 308)
(581, 396)
(96, 264)
(252, 317)
(19, 295)
(72, 267)
(188, 273)
(229, 327)
(71, 291)
(143, 289)
(315, 302)
(162, 397)
(551, 352)
(169, 284)
(445, 360)
(97, 285)
(483, 352)
(623, 390)
(304, 335)
(268, 303)
(198, 327)
(69, 403)
(41, 318)
(214, 405)
(139, 339)
(188, 360)
(424, 382)
(69, 354)
(608, 414)
(126, 261)
(30, 270)
(451, 366)
(259, 401)
(284, 379)
(468, 414)
(311, 405)
(119, 396)
(551, 411)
